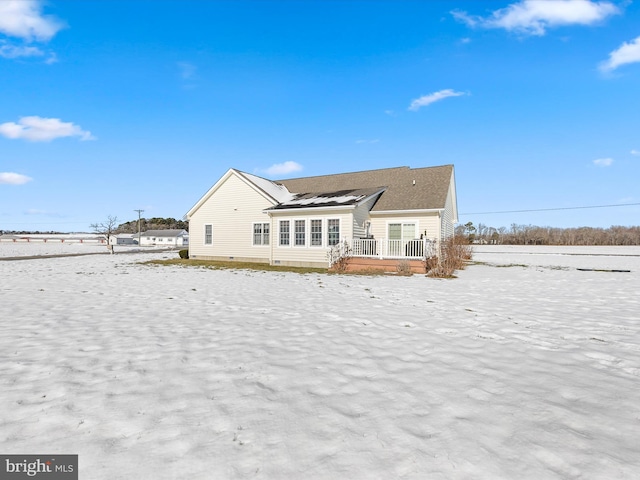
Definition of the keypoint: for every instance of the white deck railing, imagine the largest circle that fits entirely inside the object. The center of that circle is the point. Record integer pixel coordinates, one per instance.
(385, 248)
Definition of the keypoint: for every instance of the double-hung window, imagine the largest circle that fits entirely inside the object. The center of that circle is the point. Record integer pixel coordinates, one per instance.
(333, 231)
(284, 233)
(261, 234)
(316, 233)
(208, 234)
(300, 233)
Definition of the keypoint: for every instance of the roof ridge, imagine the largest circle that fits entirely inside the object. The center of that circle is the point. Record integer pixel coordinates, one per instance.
(346, 173)
(401, 167)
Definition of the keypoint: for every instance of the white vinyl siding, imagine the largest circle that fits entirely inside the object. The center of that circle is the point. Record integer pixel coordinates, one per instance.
(232, 209)
(361, 218)
(448, 221)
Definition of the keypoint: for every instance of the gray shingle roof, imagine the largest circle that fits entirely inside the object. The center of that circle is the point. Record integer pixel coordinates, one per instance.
(163, 233)
(429, 191)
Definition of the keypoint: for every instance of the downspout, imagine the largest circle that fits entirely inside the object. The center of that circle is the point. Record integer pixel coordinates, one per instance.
(272, 237)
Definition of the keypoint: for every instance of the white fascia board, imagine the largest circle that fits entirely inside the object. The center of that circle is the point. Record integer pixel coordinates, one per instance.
(408, 212)
(309, 209)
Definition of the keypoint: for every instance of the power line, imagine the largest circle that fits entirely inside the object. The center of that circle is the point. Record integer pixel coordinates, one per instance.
(553, 209)
(139, 213)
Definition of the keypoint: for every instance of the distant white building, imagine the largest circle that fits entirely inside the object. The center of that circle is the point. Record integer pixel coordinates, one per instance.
(124, 239)
(167, 238)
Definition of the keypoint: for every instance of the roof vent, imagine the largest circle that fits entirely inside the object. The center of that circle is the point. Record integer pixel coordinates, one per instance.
(414, 183)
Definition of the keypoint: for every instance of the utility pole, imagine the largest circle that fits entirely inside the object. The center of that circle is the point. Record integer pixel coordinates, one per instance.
(139, 212)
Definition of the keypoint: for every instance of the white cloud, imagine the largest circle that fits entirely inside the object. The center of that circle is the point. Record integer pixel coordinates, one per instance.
(603, 162)
(635, 152)
(24, 19)
(38, 129)
(187, 70)
(10, 178)
(53, 58)
(14, 51)
(534, 17)
(283, 168)
(433, 97)
(626, 53)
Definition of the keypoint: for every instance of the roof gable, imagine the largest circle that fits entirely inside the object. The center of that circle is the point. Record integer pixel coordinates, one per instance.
(273, 192)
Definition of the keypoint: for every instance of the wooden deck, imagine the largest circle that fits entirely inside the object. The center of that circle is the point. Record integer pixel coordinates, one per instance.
(386, 265)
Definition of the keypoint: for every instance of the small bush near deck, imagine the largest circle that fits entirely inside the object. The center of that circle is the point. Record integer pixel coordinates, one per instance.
(404, 268)
(184, 253)
(431, 263)
(455, 252)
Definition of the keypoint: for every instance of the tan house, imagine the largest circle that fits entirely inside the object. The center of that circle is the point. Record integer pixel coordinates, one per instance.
(380, 214)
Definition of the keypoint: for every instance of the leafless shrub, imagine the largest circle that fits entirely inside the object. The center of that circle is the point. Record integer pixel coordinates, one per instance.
(404, 268)
(455, 252)
(431, 263)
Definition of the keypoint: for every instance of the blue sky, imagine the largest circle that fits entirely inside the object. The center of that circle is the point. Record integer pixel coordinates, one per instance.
(108, 107)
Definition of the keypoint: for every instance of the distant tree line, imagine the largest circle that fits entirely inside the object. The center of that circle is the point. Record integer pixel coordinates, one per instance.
(155, 223)
(533, 235)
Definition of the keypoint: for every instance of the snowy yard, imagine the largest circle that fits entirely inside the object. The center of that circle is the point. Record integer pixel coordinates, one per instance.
(522, 368)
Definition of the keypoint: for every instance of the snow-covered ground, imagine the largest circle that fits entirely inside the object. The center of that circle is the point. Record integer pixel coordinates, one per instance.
(147, 372)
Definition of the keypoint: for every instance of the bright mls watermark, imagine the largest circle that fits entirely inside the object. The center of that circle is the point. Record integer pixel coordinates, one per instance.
(47, 467)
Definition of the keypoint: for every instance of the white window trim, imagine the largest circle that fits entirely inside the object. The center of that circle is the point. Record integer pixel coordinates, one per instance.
(403, 222)
(293, 232)
(325, 232)
(253, 237)
(204, 240)
(323, 225)
(279, 244)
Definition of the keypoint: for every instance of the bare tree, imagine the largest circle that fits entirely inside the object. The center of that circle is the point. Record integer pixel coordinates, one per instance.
(106, 229)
